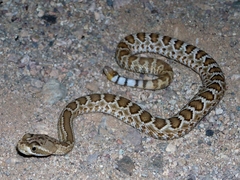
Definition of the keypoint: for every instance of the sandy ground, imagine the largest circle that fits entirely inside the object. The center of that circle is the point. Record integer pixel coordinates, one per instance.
(53, 51)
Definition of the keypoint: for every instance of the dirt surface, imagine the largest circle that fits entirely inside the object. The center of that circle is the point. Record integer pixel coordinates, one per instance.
(53, 51)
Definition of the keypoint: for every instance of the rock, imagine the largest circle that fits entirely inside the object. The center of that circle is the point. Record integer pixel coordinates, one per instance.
(92, 158)
(36, 83)
(92, 86)
(219, 111)
(126, 165)
(171, 148)
(53, 91)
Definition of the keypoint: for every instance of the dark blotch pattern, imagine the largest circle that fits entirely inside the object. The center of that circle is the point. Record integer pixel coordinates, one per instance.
(145, 117)
(154, 37)
(130, 39)
(178, 44)
(159, 123)
(189, 49)
(95, 97)
(187, 114)
(123, 102)
(109, 98)
(141, 36)
(175, 122)
(72, 105)
(200, 54)
(134, 109)
(166, 40)
(82, 100)
(197, 104)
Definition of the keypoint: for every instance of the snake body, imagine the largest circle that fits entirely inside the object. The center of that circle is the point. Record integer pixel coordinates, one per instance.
(208, 96)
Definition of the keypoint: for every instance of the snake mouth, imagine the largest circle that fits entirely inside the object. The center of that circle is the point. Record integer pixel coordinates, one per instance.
(22, 153)
(22, 149)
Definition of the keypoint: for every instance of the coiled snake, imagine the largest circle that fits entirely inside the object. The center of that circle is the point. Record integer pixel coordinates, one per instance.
(208, 96)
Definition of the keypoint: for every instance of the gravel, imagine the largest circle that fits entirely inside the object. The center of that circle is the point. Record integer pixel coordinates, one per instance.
(54, 51)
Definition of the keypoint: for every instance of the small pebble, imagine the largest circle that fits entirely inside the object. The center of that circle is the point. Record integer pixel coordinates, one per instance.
(97, 16)
(92, 86)
(171, 148)
(157, 162)
(238, 108)
(37, 83)
(172, 101)
(209, 132)
(235, 77)
(54, 73)
(110, 3)
(53, 91)
(219, 111)
(126, 165)
(25, 60)
(92, 158)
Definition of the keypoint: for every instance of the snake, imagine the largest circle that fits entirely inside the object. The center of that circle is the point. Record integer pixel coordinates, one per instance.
(128, 56)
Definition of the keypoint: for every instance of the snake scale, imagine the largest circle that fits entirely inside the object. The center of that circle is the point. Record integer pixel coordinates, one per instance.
(127, 57)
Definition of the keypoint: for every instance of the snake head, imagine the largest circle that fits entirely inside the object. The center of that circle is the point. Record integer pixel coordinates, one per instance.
(37, 145)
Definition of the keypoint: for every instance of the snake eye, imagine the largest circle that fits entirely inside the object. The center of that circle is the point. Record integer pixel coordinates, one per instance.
(34, 148)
